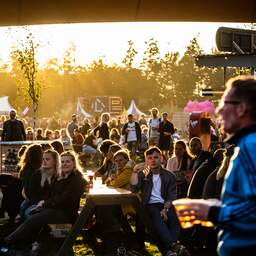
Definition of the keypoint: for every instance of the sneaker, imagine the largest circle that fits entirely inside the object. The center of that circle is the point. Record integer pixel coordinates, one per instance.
(180, 249)
(171, 253)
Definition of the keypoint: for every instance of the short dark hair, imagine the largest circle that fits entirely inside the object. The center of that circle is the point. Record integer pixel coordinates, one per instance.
(245, 89)
(151, 150)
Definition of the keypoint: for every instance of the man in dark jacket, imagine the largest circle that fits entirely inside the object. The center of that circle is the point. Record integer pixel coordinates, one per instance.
(13, 129)
(158, 190)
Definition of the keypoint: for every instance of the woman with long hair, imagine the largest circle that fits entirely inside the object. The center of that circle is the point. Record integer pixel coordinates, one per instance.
(40, 183)
(179, 163)
(30, 161)
(103, 129)
(61, 207)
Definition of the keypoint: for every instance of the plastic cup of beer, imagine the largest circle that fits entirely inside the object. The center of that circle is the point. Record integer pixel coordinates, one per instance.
(187, 217)
(97, 183)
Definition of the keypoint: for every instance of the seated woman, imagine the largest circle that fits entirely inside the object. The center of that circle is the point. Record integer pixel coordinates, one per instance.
(179, 163)
(61, 207)
(110, 218)
(30, 162)
(108, 167)
(41, 182)
(124, 171)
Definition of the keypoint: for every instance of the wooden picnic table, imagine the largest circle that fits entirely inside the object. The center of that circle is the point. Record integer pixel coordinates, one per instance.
(97, 197)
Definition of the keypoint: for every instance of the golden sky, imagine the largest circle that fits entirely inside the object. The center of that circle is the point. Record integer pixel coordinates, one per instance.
(109, 40)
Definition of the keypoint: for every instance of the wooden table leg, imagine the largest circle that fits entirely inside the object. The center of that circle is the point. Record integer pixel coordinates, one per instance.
(76, 228)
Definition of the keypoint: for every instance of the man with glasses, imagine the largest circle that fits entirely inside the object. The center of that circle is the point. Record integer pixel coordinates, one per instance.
(235, 215)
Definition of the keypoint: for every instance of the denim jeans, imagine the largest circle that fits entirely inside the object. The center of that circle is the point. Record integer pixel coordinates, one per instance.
(165, 232)
(132, 146)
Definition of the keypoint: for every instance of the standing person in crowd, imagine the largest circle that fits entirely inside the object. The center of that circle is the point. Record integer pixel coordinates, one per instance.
(144, 139)
(48, 134)
(64, 137)
(13, 129)
(77, 141)
(115, 135)
(61, 207)
(113, 123)
(143, 120)
(39, 134)
(132, 132)
(29, 133)
(56, 134)
(85, 127)
(153, 128)
(102, 130)
(2, 120)
(72, 126)
(179, 164)
(166, 129)
(96, 122)
(158, 190)
(40, 183)
(235, 214)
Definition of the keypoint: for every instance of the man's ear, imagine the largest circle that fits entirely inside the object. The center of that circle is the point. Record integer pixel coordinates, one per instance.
(242, 109)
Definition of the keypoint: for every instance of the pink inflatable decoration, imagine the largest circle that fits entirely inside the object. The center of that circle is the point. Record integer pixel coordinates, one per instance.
(203, 106)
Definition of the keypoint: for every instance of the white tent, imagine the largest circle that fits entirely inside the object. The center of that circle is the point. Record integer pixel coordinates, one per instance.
(134, 110)
(5, 106)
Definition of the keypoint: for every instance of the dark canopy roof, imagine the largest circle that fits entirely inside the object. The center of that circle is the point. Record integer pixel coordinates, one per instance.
(21, 12)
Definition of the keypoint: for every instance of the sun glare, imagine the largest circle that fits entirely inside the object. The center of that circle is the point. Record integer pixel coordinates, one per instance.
(109, 40)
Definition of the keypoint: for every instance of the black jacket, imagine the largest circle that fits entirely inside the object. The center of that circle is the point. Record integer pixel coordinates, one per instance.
(145, 185)
(35, 192)
(66, 193)
(103, 131)
(13, 130)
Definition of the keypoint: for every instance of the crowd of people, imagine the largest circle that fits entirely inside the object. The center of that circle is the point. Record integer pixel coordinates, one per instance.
(147, 156)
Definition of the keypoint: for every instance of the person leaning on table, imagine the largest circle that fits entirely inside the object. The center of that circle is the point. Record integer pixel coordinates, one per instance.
(235, 215)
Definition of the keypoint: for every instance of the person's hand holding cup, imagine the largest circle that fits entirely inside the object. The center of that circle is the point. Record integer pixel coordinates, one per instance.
(194, 211)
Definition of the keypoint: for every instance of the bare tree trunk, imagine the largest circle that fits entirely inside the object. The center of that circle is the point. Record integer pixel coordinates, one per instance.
(34, 116)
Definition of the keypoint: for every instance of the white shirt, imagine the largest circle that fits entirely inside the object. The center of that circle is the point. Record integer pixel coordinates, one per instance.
(154, 123)
(132, 132)
(156, 190)
(173, 164)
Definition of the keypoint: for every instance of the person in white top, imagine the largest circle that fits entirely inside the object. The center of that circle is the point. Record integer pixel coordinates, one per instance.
(153, 128)
(158, 190)
(179, 164)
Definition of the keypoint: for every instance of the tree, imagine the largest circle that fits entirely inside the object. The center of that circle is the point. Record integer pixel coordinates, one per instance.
(69, 59)
(190, 77)
(150, 64)
(31, 88)
(128, 60)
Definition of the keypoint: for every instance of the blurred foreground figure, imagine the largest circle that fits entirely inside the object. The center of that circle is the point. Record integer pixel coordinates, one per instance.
(236, 213)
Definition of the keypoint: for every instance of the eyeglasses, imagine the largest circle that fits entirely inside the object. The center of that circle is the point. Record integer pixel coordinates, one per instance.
(232, 102)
